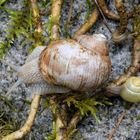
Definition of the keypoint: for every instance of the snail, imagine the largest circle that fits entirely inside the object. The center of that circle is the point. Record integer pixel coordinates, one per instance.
(82, 64)
(129, 91)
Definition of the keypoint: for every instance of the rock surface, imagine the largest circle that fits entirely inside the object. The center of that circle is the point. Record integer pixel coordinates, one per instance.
(129, 129)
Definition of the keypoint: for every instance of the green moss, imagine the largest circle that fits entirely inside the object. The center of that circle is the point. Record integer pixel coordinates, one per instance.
(20, 25)
(87, 105)
(2, 2)
(89, 8)
(7, 123)
(52, 136)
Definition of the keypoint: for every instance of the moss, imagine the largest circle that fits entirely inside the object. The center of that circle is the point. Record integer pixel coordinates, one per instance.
(89, 8)
(20, 25)
(86, 105)
(2, 2)
(7, 123)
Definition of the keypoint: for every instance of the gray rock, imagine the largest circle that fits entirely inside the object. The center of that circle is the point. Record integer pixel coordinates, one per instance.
(129, 129)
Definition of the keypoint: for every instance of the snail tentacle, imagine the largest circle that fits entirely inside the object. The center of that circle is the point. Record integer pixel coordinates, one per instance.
(20, 81)
(14, 67)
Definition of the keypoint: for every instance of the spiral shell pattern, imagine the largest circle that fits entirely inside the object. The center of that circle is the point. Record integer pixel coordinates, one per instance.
(131, 90)
(68, 63)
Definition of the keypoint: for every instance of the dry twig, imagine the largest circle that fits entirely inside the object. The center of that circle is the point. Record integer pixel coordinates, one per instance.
(106, 11)
(135, 64)
(117, 125)
(88, 24)
(55, 17)
(120, 33)
(68, 21)
(72, 124)
(29, 122)
(37, 22)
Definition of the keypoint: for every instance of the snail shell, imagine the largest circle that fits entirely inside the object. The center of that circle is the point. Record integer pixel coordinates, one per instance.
(131, 90)
(66, 65)
(82, 65)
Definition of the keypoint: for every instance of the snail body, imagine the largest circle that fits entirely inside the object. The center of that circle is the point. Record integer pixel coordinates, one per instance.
(66, 65)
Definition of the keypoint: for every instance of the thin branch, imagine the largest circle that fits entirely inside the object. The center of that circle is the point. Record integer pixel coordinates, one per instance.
(67, 24)
(88, 24)
(55, 17)
(29, 122)
(135, 64)
(117, 125)
(106, 11)
(70, 12)
(102, 14)
(60, 117)
(132, 70)
(72, 124)
(123, 16)
(120, 33)
(37, 22)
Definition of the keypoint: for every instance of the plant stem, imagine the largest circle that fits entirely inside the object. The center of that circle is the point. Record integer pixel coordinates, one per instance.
(72, 124)
(29, 122)
(55, 16)
(132, 70)
(123, 16)
(68, 21)
(60, 117)
(37, 22)
(106, 11)
(135, 65)
(120, 33)
(61, 122)
(88, 24)
(120, 119)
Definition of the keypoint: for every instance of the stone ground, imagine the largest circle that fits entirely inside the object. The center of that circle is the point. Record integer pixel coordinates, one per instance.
(129, 129)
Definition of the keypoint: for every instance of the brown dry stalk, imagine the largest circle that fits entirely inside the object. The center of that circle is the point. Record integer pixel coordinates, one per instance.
(135, 64)
(29, 122)
(55, 17)
(123, 16)
(70, 12)
(68, 21)
(88, 24)
(60, 117)
(117, 125)
(132, 70)
(103, 16)
(37, 22)
(72, 124)
(120, 33)
(61, 121)
(106, 11)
